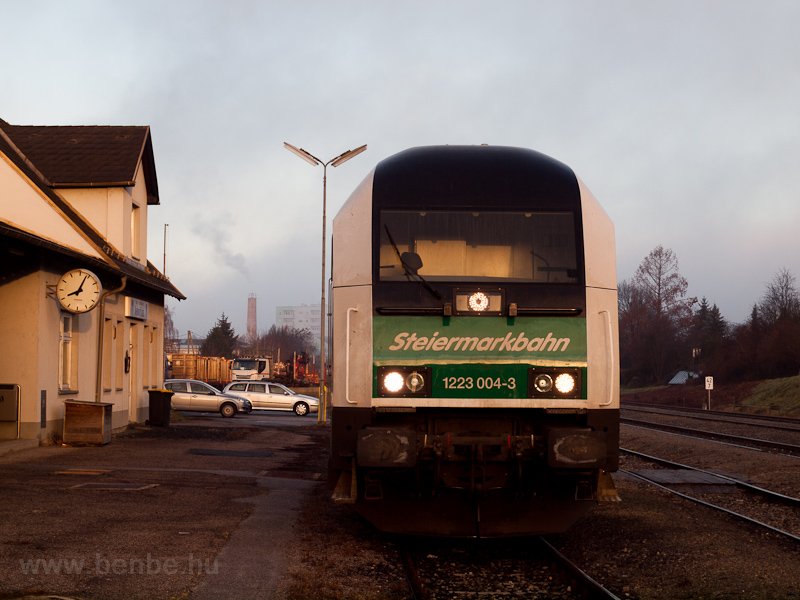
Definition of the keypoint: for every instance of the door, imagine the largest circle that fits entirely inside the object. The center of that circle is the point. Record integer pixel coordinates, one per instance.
(279, 397)
(257, 394)
(202, 397)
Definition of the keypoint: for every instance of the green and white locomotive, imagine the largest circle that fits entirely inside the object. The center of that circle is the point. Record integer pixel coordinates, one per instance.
(475, 344)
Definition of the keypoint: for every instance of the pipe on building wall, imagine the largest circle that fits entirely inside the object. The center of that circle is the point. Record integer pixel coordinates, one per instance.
(98, 390)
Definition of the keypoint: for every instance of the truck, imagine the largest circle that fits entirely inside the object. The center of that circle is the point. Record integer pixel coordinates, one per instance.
(215, 370)
(251, 368)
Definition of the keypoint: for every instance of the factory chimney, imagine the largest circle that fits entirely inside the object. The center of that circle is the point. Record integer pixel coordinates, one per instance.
(252, 327)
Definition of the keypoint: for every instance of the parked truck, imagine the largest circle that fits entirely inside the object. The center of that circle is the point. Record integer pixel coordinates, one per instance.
(251, 368)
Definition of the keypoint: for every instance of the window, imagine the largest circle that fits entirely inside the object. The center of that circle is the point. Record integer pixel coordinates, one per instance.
(476, 246)
(260, 388)
(238, 387)
(276, 389)
(67, 355)
(176, 386)
(136, 228)
(199, 388)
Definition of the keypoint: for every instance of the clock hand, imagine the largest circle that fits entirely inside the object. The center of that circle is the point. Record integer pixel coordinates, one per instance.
(80, 287)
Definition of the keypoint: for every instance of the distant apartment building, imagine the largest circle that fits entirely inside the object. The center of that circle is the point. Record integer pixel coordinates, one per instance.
(305, 316)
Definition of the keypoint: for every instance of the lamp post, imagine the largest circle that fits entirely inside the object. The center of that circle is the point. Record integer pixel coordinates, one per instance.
(314, 161)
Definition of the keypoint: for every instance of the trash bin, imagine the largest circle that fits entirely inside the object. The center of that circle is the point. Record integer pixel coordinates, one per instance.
(160, 405)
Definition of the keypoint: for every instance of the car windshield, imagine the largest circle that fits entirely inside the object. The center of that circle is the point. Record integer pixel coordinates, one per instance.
(478, 246)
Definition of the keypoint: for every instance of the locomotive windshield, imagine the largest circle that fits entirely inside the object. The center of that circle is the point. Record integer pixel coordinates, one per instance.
(537, 247)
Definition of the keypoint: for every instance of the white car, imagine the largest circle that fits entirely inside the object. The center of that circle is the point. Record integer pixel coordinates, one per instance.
(265, 395)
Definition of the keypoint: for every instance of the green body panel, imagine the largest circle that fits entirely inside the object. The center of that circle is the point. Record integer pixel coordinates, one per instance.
(479, 357)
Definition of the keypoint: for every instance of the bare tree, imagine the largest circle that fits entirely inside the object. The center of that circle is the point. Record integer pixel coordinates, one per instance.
(781, 301)
(654, 318)
(663, 286)
(170, 331)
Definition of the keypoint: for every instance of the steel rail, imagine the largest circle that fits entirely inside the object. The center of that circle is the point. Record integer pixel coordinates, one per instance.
(699, 433)
(713, 506)
(719, 417)
(770, 494)
(592, 587)
(723, 413)
(587, 587)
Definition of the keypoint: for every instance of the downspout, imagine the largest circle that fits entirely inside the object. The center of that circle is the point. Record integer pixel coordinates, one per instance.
(98, 390)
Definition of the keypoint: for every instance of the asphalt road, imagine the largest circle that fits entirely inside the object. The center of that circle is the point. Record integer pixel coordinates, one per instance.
(202, 509)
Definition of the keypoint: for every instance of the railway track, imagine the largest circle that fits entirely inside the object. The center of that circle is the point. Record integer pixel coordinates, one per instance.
(752, 420)
(773, 511)
(739, 440)
(529, 568)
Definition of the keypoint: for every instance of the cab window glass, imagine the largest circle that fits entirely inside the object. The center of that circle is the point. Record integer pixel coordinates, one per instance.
(478, 246)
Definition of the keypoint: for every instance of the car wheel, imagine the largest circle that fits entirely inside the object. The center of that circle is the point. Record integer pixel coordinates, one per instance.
(301, 408)
(227, 410)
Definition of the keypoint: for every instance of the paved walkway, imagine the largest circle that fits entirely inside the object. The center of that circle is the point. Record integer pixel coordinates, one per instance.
(182, 495)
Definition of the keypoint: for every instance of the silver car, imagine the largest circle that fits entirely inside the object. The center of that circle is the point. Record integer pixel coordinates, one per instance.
(190, 394)
(273, 396)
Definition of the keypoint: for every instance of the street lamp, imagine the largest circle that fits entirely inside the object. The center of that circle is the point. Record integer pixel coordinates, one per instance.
(314, 161)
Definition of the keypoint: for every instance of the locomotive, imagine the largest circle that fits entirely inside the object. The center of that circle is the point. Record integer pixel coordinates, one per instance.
(475, 345)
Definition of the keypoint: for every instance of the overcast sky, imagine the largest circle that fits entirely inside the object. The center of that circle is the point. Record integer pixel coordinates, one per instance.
(683, 117)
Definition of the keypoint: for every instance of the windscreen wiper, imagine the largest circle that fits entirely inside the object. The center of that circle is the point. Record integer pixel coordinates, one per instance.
(412, 270)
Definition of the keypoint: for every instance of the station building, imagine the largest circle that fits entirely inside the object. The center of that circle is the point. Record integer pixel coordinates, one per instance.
(82, 314)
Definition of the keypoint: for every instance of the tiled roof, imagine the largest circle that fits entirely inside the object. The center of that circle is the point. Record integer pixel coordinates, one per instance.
(148, 276)
(88, 156)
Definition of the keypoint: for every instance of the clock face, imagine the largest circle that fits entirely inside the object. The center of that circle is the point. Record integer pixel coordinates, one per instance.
(78, 290)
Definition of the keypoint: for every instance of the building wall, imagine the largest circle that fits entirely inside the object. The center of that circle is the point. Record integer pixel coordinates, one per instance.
(112, 212)
(30, 342)
(304, 316)
(31, 318)
(25, 207)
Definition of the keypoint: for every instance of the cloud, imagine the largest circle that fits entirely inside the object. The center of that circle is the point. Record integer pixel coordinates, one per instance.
(216, 232)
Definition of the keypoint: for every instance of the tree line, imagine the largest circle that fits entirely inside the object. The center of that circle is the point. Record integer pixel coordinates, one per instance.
(222, 340)
(662, 330)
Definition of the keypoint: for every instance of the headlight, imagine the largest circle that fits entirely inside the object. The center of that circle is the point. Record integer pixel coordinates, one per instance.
(404, 382)
(478, 302)
(554, 383)
(415, 382)
(565, 383)
(393, 382)
(543, 383)
(483, 302)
